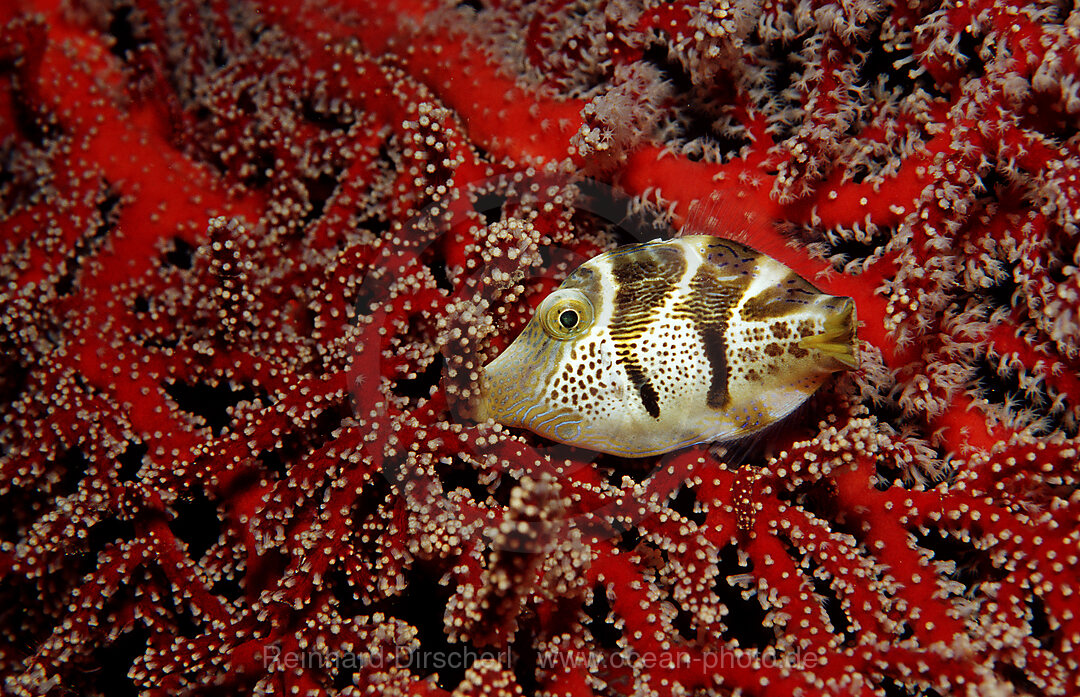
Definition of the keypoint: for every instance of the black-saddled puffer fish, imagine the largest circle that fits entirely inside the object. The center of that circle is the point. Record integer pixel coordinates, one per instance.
(656, 346)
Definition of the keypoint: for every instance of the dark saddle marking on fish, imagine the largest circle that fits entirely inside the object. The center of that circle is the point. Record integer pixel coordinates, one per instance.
(709, 307)
(644, 279)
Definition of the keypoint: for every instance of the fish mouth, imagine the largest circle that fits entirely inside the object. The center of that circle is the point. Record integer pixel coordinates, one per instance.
(503, 396)
(512, 385)
(837, 338)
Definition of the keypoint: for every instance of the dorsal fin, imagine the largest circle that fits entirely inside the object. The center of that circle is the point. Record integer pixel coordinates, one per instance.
(733, 215)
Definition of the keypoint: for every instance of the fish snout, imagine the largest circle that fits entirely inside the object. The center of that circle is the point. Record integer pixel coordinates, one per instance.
(505, 393)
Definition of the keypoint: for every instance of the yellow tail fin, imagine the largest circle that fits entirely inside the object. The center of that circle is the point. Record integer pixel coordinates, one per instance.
(837, 341)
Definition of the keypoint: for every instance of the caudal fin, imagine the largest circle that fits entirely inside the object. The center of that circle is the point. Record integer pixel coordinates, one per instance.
(837, 340)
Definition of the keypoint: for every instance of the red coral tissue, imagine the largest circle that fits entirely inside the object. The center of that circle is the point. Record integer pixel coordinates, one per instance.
(253, 255)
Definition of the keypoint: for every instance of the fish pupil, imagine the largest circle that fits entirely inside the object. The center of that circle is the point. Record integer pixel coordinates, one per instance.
(568, 319)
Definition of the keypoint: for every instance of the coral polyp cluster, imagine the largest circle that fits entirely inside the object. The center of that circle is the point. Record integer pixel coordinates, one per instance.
(254, 255)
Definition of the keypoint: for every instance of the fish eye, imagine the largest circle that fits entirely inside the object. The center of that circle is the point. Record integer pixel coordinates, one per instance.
(566, 313)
